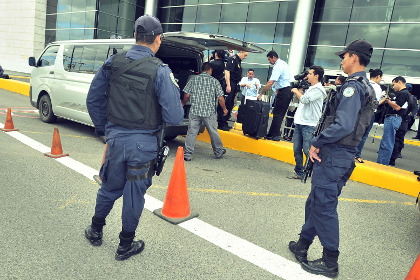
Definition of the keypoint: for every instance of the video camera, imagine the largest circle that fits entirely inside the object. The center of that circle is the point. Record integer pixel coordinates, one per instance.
(300, 81)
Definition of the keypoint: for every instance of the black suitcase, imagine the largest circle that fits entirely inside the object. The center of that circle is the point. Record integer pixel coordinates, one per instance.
(255, 122)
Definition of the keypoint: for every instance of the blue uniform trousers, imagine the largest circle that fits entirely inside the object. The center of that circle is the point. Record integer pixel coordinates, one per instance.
(133, 150)
(329, 177)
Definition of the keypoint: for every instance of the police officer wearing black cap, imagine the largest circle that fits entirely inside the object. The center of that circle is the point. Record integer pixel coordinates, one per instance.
(332, 152)
(233, 75)
(129, 98)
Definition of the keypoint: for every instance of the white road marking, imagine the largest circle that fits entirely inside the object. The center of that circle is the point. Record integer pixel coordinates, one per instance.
(244, 249)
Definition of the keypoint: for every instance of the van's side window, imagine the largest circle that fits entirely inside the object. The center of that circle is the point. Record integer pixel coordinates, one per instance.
(48, 57)
(118, 48)
(67, 55)
(88, 59)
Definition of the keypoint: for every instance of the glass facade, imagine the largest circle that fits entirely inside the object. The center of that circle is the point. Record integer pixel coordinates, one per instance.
(91, 19)
(267, 24)
(392, 26)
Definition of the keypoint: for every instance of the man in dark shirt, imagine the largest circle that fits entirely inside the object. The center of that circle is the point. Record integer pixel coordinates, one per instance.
(218, 65)
(233, 75)
(393, 119)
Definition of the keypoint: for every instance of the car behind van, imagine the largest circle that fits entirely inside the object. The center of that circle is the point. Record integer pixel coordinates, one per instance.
(62, 75)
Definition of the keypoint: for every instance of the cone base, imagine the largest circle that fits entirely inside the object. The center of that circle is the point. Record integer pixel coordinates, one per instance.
(7, 130)
(55, 156)
(97, 179)
(158, 212)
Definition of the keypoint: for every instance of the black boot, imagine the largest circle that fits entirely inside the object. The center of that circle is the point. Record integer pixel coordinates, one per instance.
(327, 265)
(128, 248)
(300, 248)
(93, 232)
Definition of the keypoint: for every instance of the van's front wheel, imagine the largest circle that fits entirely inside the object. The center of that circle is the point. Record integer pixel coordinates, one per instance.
(45, 110)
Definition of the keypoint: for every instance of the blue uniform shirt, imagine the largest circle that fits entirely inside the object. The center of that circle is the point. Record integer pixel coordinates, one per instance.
(350, 99)
(165, 88)
(281, 74)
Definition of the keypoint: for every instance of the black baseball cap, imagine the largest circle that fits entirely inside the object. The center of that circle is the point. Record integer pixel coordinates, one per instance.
(358, 46)
(148, 25)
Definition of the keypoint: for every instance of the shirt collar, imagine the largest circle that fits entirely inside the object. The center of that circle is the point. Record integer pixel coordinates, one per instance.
(140, 48)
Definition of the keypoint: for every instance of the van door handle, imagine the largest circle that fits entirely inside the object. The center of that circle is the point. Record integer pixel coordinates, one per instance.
(51, 72)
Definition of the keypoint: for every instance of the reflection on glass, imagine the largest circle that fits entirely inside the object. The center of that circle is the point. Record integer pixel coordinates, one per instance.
(260, 58)
(262, 12)
(172, 27)
(63, 20)
(234, 13)
(78, 20)
(208, 13)
(328, 34)
(48, 57)
(76, 34)
(177, 15)
(282, 51)
(374, 33)
(78, 5)
(283, 33)
(401, 63)
(375, 13)
(323, 56)
(64, 6)
(207, 28)
(406, 10)
(259, 32)
(233, 30)
(89, 33)
(287, 11)
(63, 34)
(332, 10)
(51, 21)
(410, 33)
(90, 20)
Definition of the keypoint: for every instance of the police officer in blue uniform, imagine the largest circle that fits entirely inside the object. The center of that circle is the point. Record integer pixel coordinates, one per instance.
(332, 152)
(129, 98)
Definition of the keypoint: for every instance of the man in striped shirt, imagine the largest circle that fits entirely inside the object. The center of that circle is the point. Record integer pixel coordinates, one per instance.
(204, 91)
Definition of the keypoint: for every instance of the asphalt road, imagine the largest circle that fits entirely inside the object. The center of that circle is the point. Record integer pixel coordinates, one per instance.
(45, 207)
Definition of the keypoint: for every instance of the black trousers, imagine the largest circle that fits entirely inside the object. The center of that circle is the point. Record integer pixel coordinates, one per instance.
(281, 104)
(230, 103)
(399, 140)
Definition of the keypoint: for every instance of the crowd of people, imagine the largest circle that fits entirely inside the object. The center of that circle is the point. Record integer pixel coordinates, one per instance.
(133, 146)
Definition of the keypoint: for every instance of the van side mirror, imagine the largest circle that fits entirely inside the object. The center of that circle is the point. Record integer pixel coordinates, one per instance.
(32, 61)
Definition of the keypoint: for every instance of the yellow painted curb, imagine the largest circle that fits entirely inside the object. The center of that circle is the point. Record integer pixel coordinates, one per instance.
(370, 173)
(15, 86)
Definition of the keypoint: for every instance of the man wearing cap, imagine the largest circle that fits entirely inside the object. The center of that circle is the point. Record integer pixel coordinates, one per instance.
(332, 151)
(129, 98)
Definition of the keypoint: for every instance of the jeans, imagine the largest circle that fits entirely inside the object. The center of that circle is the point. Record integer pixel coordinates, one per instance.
(194, 126)
(302, 141)
(391, 125)
(362, 143)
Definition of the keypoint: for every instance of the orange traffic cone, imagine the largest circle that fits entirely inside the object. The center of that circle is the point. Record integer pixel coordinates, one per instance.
(56, 150)
(98, 179)
(8, 126)
(414, 273)
(176, 208)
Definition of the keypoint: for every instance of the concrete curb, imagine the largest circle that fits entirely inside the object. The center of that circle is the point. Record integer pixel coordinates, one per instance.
(15, 86)
(370, 173)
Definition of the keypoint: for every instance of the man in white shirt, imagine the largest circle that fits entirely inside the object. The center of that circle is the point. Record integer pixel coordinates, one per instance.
(306, 117)
(250, 86)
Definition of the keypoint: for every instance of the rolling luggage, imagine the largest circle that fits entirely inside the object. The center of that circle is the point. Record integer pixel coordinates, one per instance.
(255, 122)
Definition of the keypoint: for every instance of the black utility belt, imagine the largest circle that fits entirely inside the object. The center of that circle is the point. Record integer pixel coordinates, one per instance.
(391, 115)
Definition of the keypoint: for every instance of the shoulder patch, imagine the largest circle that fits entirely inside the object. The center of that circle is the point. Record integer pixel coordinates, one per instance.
(348, 92)
(173, 79)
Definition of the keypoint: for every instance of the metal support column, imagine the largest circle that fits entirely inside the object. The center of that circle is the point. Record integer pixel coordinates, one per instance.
(150, 7)
(300, 35)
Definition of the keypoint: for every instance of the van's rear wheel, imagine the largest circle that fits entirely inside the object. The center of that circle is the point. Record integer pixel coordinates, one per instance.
(45, 110)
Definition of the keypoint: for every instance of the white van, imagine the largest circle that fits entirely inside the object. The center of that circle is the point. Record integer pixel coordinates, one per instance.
(62, 75)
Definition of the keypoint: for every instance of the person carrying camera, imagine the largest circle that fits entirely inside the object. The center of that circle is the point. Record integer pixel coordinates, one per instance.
(396, 110)
(307, 116)
(332, 152)
(129, 98)
(280, 79)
